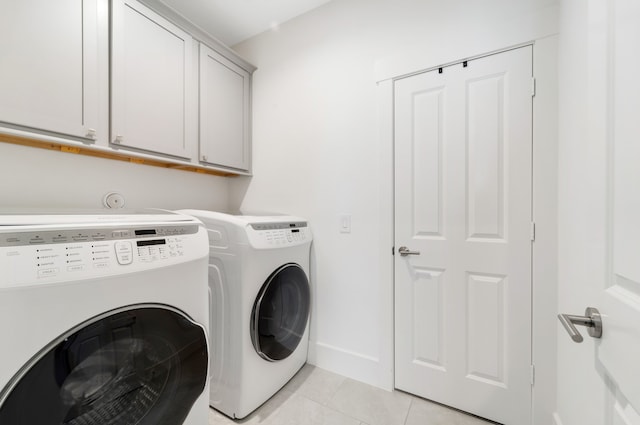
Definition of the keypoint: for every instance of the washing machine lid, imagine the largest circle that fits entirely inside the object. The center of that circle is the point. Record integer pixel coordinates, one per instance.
(46, 217)
(243, 218)
(266, 231)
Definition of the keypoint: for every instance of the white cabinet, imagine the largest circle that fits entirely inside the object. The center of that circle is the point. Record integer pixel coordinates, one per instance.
(49, 66)
(156, 93)
(224, 111)
(151, 77)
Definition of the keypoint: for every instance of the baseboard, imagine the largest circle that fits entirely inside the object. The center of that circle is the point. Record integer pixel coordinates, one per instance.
(357, 366)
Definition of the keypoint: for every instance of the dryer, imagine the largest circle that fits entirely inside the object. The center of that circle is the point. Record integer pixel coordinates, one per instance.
(260, 305)
(103, 319)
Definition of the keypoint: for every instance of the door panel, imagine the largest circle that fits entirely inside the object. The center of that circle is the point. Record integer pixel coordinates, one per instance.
(485, 164)
(463, 201)
(600, 267)
(427, 162)
(620, 345)
(486, 328)
(428, 323)
(621, 341)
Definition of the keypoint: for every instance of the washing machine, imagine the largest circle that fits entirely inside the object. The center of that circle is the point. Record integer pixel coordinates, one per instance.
(103, 318)
(260, 304)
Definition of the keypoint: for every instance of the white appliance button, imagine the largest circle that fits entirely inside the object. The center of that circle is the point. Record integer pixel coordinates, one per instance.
(77, 268)
(124, 252)
(47, 272)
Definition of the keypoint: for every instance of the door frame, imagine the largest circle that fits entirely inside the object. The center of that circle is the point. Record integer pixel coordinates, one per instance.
(544, 213)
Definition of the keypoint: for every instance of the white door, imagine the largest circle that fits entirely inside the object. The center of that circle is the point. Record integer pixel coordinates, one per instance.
(599, 379)
(463, 201)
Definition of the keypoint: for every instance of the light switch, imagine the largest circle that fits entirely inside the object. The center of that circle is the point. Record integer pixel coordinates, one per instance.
(345, 223)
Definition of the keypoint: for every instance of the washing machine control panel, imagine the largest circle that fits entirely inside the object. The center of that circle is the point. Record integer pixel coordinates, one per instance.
(278, 235)
(63, 254)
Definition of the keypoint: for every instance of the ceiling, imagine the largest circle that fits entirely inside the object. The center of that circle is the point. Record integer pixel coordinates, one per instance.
(232, 21)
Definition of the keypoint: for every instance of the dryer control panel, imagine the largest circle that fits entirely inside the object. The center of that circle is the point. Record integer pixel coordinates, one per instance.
(278, 235)
(49, 256)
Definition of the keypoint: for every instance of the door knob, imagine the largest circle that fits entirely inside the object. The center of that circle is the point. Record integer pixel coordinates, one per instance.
(591, 319)
(404, 251)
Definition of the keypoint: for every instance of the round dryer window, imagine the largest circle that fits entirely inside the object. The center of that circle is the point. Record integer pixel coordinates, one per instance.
(280, 313)
(143, 366)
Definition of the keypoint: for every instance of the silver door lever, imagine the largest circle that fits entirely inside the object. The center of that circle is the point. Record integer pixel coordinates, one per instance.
(404, 251)
(591, 319)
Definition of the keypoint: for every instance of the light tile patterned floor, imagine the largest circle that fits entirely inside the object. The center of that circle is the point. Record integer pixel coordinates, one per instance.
(318, 397)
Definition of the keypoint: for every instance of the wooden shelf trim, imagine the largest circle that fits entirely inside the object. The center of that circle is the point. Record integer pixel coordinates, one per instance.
(106, 153)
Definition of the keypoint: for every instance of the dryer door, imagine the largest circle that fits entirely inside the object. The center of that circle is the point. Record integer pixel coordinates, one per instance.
(281, 312)
(144, 365)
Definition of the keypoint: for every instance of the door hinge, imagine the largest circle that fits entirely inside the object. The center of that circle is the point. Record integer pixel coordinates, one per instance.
(533, 231)
(533, 375)
(533, 87)
(393, 250)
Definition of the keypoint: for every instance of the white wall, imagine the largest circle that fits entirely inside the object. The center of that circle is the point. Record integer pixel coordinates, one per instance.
(38, 178)
(318, 151)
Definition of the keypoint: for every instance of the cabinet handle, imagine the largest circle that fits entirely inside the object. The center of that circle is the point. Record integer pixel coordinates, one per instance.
(118, 139)
(91, 134)
(205, 157)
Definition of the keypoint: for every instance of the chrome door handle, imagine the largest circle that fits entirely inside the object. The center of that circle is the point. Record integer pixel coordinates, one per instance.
(591, 319)
(404, 251)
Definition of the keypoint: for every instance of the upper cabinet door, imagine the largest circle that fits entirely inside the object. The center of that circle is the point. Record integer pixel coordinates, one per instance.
(224, 111)
(150, 81)
(49, 71)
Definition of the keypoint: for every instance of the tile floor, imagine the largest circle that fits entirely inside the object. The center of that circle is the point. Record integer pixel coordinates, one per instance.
(318, 397)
